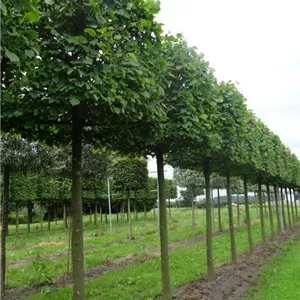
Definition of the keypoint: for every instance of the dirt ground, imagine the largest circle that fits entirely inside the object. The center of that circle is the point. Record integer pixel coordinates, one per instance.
(232, 281)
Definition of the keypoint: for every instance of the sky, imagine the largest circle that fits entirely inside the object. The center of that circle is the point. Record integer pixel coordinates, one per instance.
(255, 43)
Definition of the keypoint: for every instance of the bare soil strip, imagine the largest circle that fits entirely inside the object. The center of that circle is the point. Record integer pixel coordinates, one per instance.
(232, 281)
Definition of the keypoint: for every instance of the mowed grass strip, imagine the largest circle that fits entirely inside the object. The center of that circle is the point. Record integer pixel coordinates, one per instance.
(142, 281)
(279, 278)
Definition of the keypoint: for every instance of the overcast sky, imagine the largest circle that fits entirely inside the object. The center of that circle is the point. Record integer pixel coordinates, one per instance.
(255, 43)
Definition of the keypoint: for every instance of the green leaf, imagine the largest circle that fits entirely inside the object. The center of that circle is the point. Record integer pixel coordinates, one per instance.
(29, 53)
(12, 56)
(74, 101)
(204, 116)
(90, 31)
(87, 61)
(49, 2)
(32, 16)
(18, 113)
(3, 8)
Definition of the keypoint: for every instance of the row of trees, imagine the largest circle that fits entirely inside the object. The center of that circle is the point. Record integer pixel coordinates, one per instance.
(102, 73)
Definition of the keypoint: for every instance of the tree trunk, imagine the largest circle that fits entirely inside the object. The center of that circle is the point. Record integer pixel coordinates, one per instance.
(122, 211)
(6, 176)
(288, 207)
(219, 211)
(17, 219)
(248, 219)
(264, 204)
(295, 201)
(117, 211)
(213, 210)
(28, 216)
(282, 207)
(270, 211)
(101, 220)
(209, 235)
(238, 209)
(42, 215)
(231, 224)
(256, 204)
(129, 216)
(163, 227)
(65, 221)
(154, 216)
(292, 204)
(76, 209)
(95, 214)
(145, 211)
(91, 212)
(55, 213)
(48, 217)
(193, 219)
(277, 209)
(170, 208)
(261, 210)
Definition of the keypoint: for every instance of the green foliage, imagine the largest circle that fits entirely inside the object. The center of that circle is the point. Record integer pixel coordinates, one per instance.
(130, 174)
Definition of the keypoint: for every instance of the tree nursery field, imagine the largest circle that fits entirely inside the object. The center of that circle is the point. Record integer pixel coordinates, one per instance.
(90, 89)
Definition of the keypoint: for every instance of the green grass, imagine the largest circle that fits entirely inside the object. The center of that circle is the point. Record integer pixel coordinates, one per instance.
(142, 281)
(279, 278)
(25, 275)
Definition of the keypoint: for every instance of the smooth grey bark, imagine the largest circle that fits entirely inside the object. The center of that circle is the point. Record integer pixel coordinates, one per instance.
(270, 211)
(163, 228)
(6, 177)
(209, 234)
(248, 219)
(231, 224)
(219, 211)
(76, 209)
(277, 209)
(282, 207)
(261, 211)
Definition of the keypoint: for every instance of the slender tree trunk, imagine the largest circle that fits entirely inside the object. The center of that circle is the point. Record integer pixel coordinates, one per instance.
(101, 219)
(213, 210)
(129, 216)
(163, 227)
(95, 214)
(256, 204)
(6, 176)
(238, 210)
(270, 211)
(91, 212)
(231, 224)
(282, 207)
(117, 211)
(292, 204)
(42, 215)
(145, 211)
(288, 207)
(277, 209)
(17, 219)
(261, 210)
(65, 221)
(48, 215)
(209, 234)
(295, 201)
(76, 210)
(55, 213)
(264, 204)
(219, 211)
(122, 208)
(28, 215)
(193, 219)
(248, 219)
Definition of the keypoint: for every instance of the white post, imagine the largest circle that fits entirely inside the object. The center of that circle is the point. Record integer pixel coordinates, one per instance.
(109, 204)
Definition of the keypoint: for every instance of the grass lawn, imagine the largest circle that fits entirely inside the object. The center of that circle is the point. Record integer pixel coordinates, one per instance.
(279, 278)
